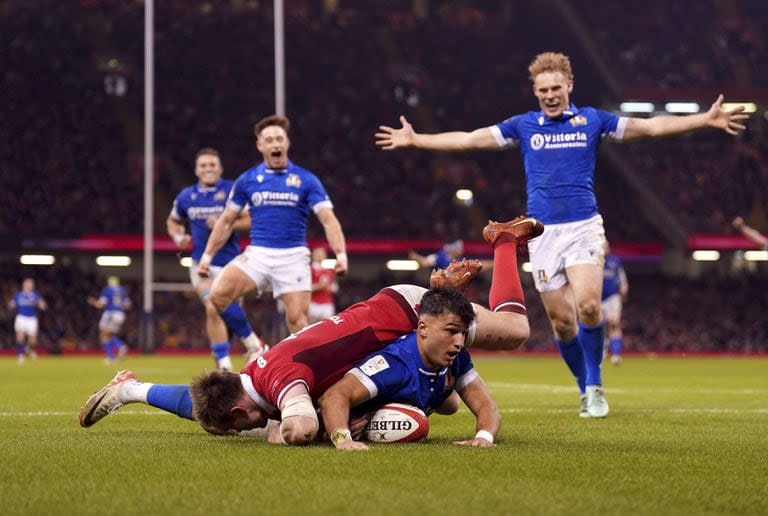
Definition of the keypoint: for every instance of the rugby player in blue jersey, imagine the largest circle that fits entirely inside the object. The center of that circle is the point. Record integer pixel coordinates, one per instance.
(424, 369)
(615, 290)
(442, 258)
(559, 147)
(279, 196)
(114, 301)
(201, 204)
(26, 302)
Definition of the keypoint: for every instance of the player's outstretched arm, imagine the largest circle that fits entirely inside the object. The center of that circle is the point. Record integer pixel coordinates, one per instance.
(178, 233)
(219, 235)
(391, 138)
(732, 122)
(752, 234)
(478, 398)
(335, 405)
(424, 261)
(335, 236)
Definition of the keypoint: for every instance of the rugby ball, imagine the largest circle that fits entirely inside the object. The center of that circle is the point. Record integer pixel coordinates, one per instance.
(396, 423)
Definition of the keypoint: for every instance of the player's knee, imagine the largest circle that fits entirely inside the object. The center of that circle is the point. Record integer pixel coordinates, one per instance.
(299, 430)
(516, 330)
(589, 311)
(210, 309)
(295, 322)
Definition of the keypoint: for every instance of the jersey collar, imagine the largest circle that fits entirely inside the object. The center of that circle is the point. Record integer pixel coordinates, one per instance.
(278, 170)
(569, 113)
(208, 189)
(255, 396)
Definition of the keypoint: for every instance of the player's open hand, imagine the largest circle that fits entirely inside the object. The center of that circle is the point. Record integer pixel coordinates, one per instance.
(477, 442)
(390, 138)
(350, 445)
(738, 222)
(729, 121)
(204, 266)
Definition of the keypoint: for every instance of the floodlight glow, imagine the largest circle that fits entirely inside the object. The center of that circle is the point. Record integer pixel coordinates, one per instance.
(756, 256)
(681, 107)
(328, 263)
(637, 107)
(186, 261)
(113, 261)
(37, 259)
(527, 267)
(706, 256)
(749, 107)
(403, 265)
(464, 194)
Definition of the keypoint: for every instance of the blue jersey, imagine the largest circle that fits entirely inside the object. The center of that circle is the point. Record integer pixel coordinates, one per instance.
(26, 302)
(613, 275)
(559, 157)
(279, 202)
(197, 203)
(441, 259)
(396, 374)
(114, 297)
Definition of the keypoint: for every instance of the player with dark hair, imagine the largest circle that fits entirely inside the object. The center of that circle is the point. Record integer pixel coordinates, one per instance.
(26, 302)
(423, 369)
(114, 300)
(279, 196)
(285, 381)
(201, 204)
(559, 146)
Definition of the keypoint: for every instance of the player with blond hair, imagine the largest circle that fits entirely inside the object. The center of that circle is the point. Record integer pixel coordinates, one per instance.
(559, 145)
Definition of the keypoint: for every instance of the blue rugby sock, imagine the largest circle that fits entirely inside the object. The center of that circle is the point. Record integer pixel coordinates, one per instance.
(574, 359)
(236, 320)
(616, 345)
(20, 348)
(109, 349)
(220, 350)
(171, 398)
(591, 343)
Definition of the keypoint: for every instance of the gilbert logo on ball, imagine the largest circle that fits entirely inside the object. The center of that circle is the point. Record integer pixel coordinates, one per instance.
(397, 423)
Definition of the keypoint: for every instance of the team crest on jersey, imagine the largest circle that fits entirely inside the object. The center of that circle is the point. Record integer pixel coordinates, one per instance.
(293, 180)
(220, 195)
(375, 365)
(578, 120)
(260, 178)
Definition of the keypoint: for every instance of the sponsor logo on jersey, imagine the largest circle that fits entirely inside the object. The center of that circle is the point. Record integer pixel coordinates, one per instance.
(203, 212)
(274, 199)
(375, 365)
(578, 120)
(293, 180)
(220, 195)
(558, 140)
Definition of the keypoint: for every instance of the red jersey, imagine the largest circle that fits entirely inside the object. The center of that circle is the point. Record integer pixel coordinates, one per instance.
(319, 355)
(321, 275)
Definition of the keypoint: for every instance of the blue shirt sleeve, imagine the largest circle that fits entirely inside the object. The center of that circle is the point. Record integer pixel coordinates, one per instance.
(315, 192)
(179, 210)
(507, 133)
(238, 197)
(611, 126)
(383, 374)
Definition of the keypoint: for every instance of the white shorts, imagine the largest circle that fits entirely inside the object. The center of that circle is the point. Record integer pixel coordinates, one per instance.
(112, 321)
(196, 279)
(320, 311)
(282, 270)
(26, 324)
(611, 306)
(562, 246)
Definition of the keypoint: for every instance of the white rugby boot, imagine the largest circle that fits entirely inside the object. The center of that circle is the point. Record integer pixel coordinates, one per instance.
(597, 405)
(104, 401)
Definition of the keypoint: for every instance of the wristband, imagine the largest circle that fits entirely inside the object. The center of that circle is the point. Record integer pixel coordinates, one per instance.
(484, 434)
(177, 237)
(205, 259)
(342, 257)
(341, 435)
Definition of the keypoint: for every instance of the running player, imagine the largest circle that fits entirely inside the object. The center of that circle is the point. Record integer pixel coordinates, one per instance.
(114, 301)
(26, 302)
(615, 290)
(324, 286)
(201, 204)
(285, 381)
(750, 233)
(559, 147)
(423, 369)
(279, 195)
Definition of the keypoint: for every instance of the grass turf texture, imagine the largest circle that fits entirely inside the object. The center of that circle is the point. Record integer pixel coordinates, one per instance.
(685, 436)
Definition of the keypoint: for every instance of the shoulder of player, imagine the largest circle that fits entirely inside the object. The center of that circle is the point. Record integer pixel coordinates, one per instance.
(302, 172)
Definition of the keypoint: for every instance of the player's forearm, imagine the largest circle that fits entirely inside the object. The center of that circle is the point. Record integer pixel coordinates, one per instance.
(754, 235)
(335, 411)
(455, 141)
(335, 235)
(219, 235)
(488, 419)
(242, 224)
(665, 125)
(175, 230)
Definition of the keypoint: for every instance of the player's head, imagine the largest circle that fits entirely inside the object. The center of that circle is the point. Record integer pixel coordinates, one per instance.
(552, 82)
(208, 166)
(220, 403)
(445, 315)
(454, 249)
(272, 140)
(28, 285)
(319, 254)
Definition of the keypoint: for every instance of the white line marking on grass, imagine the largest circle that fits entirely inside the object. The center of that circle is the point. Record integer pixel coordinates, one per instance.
(46, 413)
(643, 410)
(562, 389)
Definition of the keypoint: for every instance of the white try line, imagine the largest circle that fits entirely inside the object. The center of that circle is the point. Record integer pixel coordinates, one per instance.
(562, 389)
(49, 413)
(638, 410)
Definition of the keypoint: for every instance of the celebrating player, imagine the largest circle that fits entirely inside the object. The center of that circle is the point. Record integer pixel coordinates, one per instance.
(422, 369)
(750, 233)
(324, 286)
(202, 204)
(114, 301)
(615, 290)
(442, 258)
(279, 195)
(287, 379)
(26, 302)
(559, 147)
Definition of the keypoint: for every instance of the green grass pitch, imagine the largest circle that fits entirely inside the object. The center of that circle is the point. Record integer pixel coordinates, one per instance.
(685, 436)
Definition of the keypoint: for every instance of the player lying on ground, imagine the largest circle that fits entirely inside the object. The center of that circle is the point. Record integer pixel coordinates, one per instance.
(284, 382)
(422, 369)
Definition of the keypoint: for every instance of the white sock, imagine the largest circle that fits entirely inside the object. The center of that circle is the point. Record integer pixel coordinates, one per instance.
(134, 391)
(224, 363)
(252, 342)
